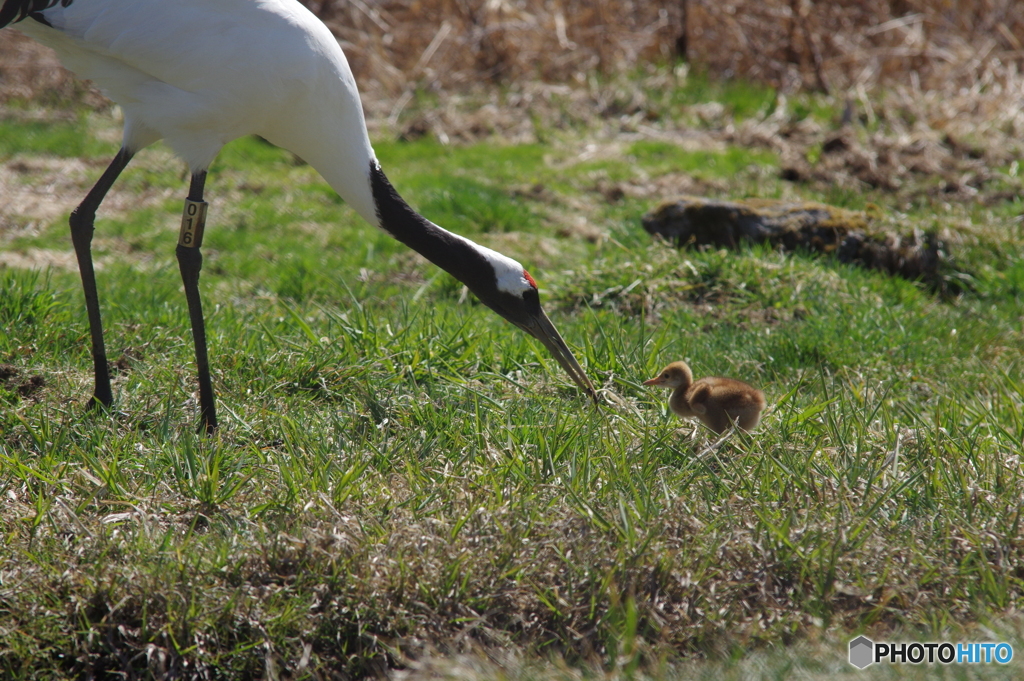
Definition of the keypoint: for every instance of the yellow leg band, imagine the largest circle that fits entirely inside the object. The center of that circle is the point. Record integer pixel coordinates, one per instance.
(193, 222)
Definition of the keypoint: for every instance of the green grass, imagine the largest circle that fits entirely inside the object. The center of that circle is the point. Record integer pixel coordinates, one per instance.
(399, 471)
(742, 99)
(664, 157)
(67, 139)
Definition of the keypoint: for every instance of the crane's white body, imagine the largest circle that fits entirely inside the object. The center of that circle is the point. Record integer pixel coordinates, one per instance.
(200, 73)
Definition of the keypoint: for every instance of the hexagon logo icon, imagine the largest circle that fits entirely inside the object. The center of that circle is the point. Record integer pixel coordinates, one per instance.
(862, 651)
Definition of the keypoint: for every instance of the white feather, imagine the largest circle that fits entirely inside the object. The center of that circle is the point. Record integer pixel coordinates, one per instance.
(510, 275)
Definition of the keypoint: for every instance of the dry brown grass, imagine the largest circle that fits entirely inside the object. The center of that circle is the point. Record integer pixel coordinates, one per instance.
(31, 72)
(790, 44)
(846, 45)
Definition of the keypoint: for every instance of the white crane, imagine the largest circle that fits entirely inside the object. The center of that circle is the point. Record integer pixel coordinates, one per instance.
(200, 73)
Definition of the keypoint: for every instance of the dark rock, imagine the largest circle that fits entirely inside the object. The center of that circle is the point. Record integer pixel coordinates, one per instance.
(815, 227)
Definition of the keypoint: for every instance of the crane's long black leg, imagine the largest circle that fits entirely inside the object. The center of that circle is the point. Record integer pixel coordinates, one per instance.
(190, 261)
(82, 227)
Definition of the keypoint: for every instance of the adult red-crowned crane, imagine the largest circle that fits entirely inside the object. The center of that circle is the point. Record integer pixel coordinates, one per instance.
(200, 73)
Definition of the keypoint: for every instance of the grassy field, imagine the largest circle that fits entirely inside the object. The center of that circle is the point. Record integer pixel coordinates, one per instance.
(404, 481)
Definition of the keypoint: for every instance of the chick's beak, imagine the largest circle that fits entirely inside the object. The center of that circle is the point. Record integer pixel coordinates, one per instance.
(653, 381)
(540, 327)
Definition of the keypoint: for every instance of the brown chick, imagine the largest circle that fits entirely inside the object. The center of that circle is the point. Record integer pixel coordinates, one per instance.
(717, 402)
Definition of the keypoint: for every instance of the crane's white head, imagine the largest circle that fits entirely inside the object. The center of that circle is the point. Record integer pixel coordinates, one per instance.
(509, 275)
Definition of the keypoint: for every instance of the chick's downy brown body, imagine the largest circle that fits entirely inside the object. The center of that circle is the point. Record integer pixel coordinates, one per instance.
(718, 402)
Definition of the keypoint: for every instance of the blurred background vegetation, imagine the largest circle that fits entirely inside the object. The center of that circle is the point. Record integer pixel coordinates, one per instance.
(790, 45)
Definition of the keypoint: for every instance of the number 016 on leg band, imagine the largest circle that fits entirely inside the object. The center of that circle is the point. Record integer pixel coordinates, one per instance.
(193, 221)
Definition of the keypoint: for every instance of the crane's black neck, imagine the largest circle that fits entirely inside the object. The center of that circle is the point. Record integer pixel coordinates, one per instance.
(453, 254)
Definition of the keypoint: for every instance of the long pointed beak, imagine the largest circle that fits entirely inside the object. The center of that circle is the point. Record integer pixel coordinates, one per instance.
(541, 328)
(653, 381)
